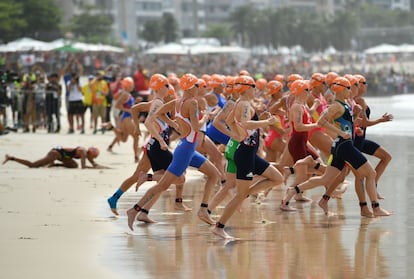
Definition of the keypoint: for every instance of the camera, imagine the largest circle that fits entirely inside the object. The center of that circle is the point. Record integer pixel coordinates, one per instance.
(8, 77)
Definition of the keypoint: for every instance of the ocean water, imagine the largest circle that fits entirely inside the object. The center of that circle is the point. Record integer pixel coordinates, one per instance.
(275, 244)
(401, 106)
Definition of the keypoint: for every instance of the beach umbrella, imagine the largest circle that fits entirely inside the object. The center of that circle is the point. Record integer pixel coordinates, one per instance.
(68, 48)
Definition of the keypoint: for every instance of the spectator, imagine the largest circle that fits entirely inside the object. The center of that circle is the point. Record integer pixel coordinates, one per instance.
(100, 90)
(75, 104)
(53, 95)
(87, 98)
(141, 92)
(29, 104)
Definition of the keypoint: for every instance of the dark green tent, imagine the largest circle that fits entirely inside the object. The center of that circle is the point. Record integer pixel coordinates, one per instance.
(67, 48)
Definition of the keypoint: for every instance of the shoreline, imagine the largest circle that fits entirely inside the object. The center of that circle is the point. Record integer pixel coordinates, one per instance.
(56, 221)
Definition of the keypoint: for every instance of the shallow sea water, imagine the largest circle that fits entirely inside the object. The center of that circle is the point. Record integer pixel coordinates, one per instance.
(275, 244)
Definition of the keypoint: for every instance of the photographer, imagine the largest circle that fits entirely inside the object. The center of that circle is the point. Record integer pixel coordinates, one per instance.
(110, 74)
(29, 104)
(10, 84)
(4, 102)
(75, 103)
(53, 96)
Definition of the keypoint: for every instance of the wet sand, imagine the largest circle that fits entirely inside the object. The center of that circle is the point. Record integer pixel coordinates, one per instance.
(55, 223)
(275, 244)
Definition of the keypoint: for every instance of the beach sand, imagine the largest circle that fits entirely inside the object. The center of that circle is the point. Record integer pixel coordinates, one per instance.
(53, 219)
(55, 223)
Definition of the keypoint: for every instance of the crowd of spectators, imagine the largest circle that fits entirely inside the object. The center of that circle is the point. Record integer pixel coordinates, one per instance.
(31, 88)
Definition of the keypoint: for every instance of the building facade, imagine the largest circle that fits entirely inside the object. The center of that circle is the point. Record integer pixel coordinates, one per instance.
(193, 16)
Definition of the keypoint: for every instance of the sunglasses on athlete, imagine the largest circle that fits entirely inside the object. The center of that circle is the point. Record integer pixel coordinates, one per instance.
(198, 85)
(347, 87)
(251, 85)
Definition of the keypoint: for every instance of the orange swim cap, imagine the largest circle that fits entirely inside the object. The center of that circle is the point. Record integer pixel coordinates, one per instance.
(215, 81)
(229, 88)
(244, 73)
(298, 87)
(157, 81)
(280, 78)
(273, 87)
(330, 77)
(242, 83)
(339, 84)
(201, 83)
(352, 79)
(187, 81)
(127, 83)
(316, 80)
(361, 80)
(293, 77)
(261, 83)
(206, 77)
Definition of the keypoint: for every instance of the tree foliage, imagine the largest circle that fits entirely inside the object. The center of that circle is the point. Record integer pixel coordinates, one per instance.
(42, 17)
(221, 31)
(359, 21)
(152, 31)
(93, 28)
(165, 29)
(169, 27)
(315, 31)
(38, 19)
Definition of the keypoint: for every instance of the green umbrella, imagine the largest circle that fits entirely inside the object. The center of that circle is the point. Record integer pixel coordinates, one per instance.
(68, 48)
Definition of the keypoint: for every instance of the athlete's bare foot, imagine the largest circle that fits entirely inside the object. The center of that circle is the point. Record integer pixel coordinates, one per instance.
(286, 207)
(204, 216)
(131, 214)
(365, 212)
(378, 211)
(379, 196)
(7, 158)
(290, 192)
(300, 197)
(286, 174)
(337, 194)
(143, 217)
(221, 232)
(323, 203)
(107, 125)
(182, 207)
(109, 149)
(267, 191)
(141, 179)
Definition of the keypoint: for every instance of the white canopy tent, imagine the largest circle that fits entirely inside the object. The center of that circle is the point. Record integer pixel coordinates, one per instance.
(169, 49)
(199, 49)
(407, 48)
(390, 49)
(382, 49)
(28, 44)
(25, 44)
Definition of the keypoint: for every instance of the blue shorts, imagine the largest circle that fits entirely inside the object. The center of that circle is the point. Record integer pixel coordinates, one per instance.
(184, 156)
(215, 135)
